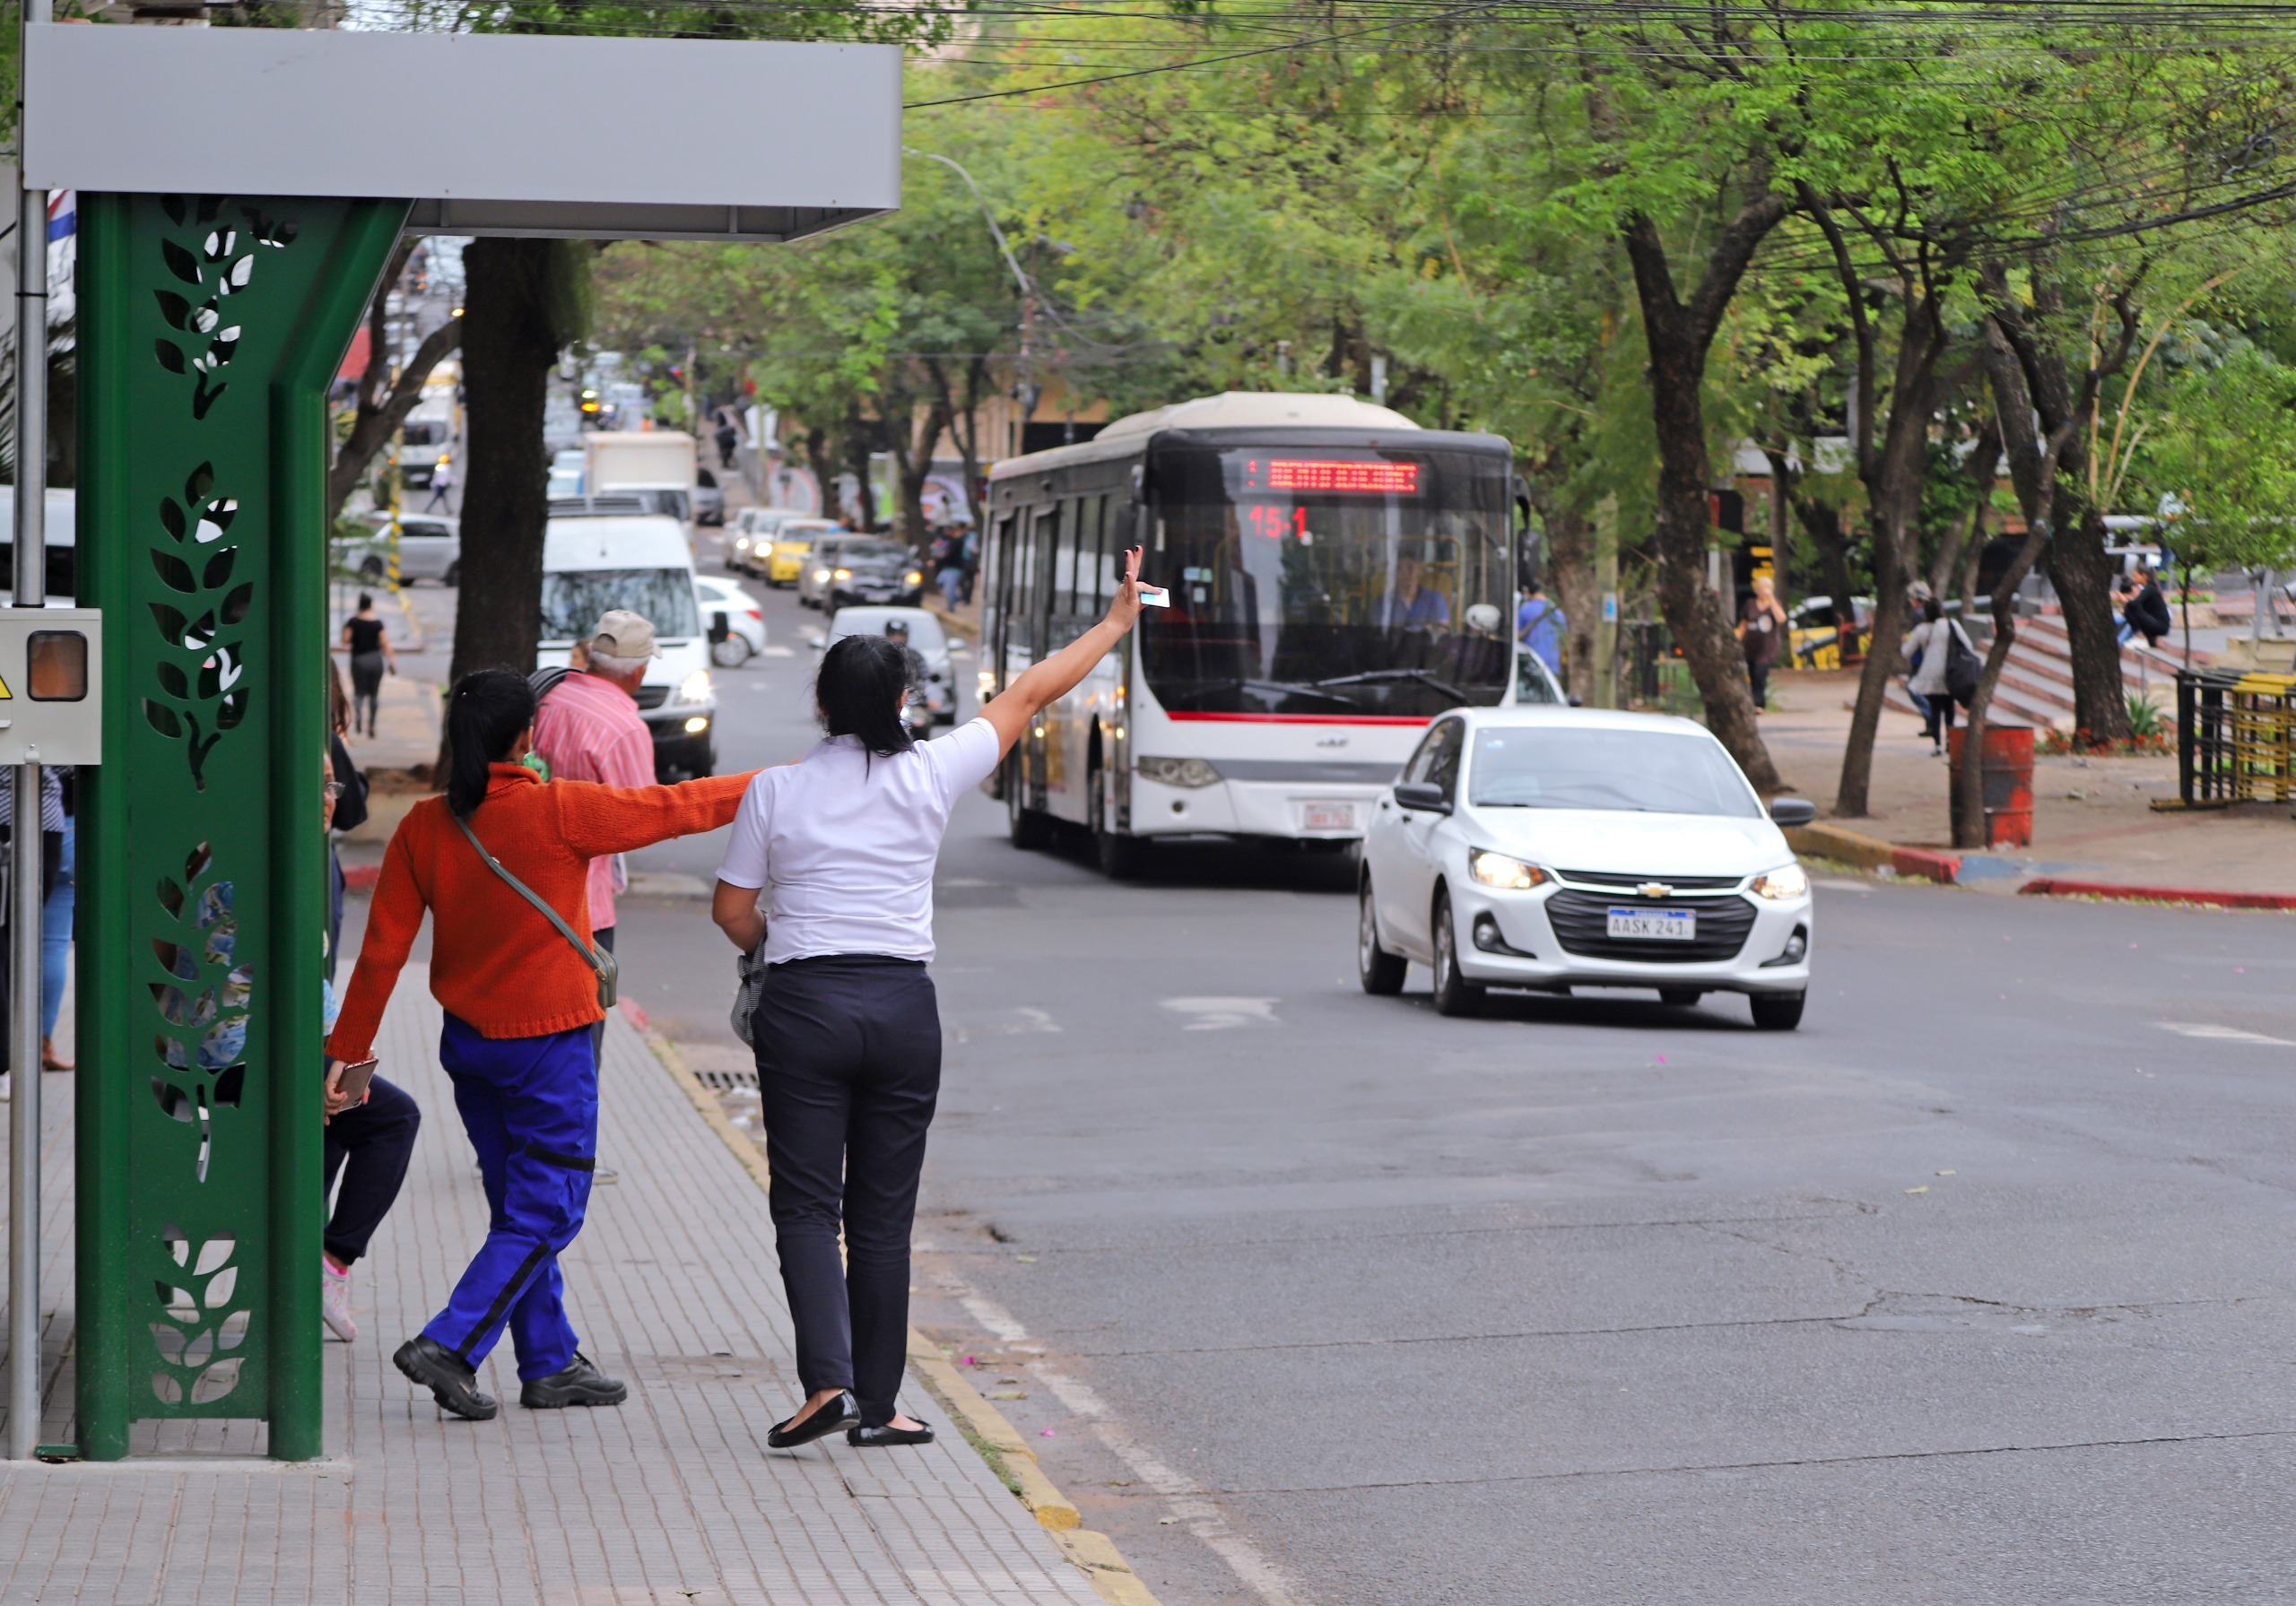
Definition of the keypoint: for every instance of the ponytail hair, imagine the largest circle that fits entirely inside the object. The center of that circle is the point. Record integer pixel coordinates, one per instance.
(862, 687)
(486, 713)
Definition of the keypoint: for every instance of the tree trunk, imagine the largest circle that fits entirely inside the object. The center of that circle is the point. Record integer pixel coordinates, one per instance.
(2082, 571)
(858, 437)
(511, 336)
(1679, 336)
(822, 460)
(1983, 468)
(1571, 585)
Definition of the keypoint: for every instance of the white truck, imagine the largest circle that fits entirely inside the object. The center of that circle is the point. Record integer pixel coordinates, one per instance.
(656, 465)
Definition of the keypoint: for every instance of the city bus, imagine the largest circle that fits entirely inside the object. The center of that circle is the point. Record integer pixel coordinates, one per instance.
(1338, 577)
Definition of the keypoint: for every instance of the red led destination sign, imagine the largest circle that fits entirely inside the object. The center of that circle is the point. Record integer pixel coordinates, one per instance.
(1333, 476)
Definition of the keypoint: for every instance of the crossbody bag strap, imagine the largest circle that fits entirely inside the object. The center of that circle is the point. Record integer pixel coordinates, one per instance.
(601, 962)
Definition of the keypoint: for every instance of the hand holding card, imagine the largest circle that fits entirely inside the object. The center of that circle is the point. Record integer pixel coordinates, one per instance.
(1155, 597)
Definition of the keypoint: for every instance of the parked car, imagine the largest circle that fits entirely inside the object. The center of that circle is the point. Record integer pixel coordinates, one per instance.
(937, 697)
(732, 619)
(1811, 631)
(566, 473)
(430, 548)
(1555, 848)
(708, 499)
(870, 568)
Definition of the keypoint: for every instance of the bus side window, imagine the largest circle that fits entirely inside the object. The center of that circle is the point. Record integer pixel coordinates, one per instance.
(1102, 591)
(1063, 572)
(1044, 542)
(996, 625)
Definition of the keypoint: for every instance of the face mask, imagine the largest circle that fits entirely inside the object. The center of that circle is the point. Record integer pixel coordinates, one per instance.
(537, 763)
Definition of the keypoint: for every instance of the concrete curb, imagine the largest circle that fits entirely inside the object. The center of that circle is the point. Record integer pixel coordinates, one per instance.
(1825, 841)
(2054, 887)
(1095, 1554)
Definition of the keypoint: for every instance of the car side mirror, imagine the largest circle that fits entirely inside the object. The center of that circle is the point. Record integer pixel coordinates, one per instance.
(1792, 810)
(1575, 700)
(1423, 794)
(718, 628)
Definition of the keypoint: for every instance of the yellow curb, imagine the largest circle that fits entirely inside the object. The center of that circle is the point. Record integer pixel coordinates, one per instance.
(1836, 842)
(1112, 1578)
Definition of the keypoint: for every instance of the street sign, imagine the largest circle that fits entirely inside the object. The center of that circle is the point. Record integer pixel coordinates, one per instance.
(51, 686)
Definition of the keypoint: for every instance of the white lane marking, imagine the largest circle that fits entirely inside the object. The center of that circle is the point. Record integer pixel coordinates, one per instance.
(1223, 1014)
(1185, 1498)
(778, 652)
(1031, 1020)
(2221, 1034)
(1840, 886)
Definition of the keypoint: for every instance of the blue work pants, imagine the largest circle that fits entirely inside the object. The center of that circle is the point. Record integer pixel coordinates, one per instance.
(530, 1106)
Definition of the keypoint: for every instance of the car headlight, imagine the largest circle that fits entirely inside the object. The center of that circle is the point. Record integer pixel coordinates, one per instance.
(1787, 882)
(1498, 870)
(1176, 772)
(820, 575)
(844, 574)
(741, 543)
(694, 688)
(912, 579)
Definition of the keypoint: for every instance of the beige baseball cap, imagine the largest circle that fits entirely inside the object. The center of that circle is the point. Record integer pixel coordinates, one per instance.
(622, 634)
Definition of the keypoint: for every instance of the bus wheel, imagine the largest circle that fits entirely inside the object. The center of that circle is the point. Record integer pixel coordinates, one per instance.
(1119, 856)
(1026, 827)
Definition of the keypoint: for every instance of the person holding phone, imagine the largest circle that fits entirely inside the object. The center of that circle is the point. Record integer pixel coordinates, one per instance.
(502, 861)
(848, 1030)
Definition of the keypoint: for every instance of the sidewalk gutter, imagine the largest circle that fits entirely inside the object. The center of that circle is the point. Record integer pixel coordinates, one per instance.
(1823, 840)
(2054, 887)
(1000, 1442)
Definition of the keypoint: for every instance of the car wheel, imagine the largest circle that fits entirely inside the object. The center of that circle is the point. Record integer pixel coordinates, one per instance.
(1455, 994)
(1680, 998)
(1026, 827)
(454, 575)
(731, 653)
(372, 569)
(1775, 1012)
(1380, 972)
(1119, 856)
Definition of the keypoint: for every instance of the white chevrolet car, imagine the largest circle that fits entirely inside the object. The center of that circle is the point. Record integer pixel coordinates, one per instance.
(1554, 848)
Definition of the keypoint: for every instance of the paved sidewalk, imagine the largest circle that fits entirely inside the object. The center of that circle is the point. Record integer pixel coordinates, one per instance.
(672, 1498)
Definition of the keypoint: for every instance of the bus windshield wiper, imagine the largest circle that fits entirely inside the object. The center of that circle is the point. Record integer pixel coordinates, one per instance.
(1284, 689)
(1372, 677)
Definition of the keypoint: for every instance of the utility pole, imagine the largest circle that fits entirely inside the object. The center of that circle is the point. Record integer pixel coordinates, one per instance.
(1606, 590)
(29, 591)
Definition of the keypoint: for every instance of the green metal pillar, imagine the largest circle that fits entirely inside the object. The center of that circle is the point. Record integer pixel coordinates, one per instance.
(209, 327)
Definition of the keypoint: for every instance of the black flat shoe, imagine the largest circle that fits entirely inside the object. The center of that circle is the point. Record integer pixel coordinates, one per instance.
(840, 1412)
(452, 1381)
(580, 1384)
(871, 1437)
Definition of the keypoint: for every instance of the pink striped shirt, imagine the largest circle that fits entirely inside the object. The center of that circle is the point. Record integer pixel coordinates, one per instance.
(587, 729)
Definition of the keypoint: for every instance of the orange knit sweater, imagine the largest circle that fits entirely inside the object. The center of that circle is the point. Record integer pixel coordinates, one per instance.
(495, 962)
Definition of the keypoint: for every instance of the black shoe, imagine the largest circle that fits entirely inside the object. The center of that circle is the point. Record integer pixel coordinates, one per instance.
(869, 1437)
(452, 1381)
(840, 1412)
(580, 1384)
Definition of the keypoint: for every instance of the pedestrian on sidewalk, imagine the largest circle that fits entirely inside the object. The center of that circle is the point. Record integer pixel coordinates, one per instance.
(57, 919)
(1761, 631)
(45, 861)
(369, 641)
(502, 861)
(949, 576)
(368, 1143)
(442, 481)
(588, 728)
(1941, 643)
(2144, 609)
(349, 812)
(847, 1032)
(1539, 625)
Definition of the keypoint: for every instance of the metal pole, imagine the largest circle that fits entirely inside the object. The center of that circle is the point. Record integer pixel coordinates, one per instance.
(25, 895)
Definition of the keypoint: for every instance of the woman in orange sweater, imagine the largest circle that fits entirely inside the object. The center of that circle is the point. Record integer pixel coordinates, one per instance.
(521, 992)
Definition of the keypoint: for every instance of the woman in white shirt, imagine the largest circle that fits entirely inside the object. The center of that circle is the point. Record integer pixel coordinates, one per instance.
(848, 1033)
(1932, 639)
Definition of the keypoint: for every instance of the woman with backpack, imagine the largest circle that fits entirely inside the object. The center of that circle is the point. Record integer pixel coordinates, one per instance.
(846, 1029)
(502, 861)
(1946, 670)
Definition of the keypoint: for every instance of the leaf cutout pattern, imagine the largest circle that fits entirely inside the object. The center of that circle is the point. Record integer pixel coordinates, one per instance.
(171, 358)
(175, 574)
(216, 1382)
(233, 1328)
(214, 1256)
(218, 568)
(170, 1340)
(163, 719)
(181, 263)
(172, 679)
(219, 1290)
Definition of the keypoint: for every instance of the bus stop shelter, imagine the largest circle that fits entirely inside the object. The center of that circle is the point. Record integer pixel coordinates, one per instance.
(238, 206)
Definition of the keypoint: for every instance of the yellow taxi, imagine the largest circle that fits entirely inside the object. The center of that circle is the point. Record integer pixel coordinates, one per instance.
(793, 543)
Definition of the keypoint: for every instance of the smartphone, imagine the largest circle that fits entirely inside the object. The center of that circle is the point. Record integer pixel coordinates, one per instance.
(353, 1079)
(1155, 597)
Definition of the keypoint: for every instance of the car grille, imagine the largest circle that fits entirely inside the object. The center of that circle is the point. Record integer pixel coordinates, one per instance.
(653, 697)
(1581, 923)
(1613, 880)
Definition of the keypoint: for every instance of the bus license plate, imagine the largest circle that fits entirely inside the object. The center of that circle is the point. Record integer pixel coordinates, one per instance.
(1328, 817)
(1664, 925)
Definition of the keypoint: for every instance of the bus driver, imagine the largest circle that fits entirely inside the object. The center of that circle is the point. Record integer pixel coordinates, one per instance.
(1408, 605)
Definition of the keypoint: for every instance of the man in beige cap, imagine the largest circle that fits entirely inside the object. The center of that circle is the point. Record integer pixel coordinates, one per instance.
(588, 728)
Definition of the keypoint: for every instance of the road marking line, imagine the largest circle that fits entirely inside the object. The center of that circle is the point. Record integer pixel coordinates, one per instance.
(1187, 1500)
(2221, 1034)
(1223, 1014)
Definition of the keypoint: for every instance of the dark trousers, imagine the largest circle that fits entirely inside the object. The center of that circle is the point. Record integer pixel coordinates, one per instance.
(365, 689)
(848, 1064)
(530, 1106)
(369, 1144)
(51, 867)
(1940, 717)
(1757, 680)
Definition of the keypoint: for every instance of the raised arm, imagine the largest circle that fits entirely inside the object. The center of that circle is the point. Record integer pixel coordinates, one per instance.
(393, 919)
(1042, 684)
(595, 819)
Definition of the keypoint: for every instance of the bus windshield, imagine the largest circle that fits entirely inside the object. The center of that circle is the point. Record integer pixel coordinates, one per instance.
(1310, 581)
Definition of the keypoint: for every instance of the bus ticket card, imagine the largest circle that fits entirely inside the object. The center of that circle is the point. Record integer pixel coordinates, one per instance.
(1155, 597)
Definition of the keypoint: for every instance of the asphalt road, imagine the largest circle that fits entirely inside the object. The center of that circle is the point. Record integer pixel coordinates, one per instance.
(1976, 1288)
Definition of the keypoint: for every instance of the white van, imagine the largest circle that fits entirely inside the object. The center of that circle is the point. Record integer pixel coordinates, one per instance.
(62, 538)
(640, 561)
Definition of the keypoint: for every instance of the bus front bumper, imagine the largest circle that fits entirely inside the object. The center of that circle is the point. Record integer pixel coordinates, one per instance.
(1317, 812)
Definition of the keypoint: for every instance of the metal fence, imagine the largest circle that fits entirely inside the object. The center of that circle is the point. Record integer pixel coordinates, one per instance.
(2236, 737)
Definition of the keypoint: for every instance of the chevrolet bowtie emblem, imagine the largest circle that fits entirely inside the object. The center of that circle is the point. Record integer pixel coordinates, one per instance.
(1654, 888)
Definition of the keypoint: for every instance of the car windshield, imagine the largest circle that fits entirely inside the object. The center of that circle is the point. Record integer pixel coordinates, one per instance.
(1357, 581)
(573, 598)
(1651, 772)
(924, 630)
(870, 551)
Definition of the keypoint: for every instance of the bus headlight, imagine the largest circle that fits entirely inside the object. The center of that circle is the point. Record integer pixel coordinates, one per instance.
(1788, 882)
(693, 689)
(1176, 772)
(1497, 870)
